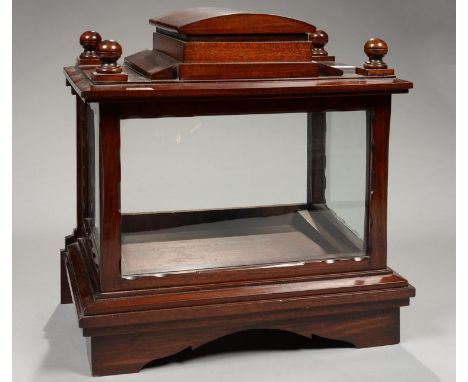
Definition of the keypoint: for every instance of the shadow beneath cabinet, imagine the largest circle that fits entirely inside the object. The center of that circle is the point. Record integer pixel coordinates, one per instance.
(67, 346)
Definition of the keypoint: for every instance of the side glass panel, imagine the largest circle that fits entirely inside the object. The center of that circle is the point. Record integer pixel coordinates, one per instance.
(97, 213)
(93, 208)
(221, 192)
(346, 174)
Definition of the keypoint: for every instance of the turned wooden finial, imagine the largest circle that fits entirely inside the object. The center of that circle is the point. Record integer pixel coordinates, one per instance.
(319, 39)
(89, 40)
(375, 49)
(109, 51)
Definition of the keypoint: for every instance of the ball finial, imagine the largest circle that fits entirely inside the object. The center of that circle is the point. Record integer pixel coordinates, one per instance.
(89, 40)
(375, 49)
(109, 51)
(319, 39)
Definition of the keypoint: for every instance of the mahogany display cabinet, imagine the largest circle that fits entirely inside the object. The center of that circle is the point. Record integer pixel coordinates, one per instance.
(231, 178)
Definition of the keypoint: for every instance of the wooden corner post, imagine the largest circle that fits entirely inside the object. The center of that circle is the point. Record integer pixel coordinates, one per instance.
(109, 196)
(378, 122)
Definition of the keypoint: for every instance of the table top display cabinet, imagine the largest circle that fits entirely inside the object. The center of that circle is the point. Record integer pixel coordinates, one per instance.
(233, 177)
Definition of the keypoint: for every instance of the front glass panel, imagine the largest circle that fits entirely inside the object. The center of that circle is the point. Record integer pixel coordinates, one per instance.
(195, 163)
(233, 191)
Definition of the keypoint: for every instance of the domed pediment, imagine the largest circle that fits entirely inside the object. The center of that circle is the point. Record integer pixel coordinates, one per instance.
(207, 20)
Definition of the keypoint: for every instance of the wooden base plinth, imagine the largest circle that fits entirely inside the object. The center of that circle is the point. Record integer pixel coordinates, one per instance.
(127, 330)
(129, 353)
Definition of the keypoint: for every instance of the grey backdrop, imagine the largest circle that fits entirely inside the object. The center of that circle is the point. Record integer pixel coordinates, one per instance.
(421, 34)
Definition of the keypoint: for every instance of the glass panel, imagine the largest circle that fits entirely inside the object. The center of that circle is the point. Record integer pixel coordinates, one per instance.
(97, 212)
(219, 192)
(346, 171)
(212, 162)
(92, 136)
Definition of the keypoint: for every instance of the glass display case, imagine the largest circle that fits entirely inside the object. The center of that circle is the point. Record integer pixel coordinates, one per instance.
(234, 177)
(225, 192)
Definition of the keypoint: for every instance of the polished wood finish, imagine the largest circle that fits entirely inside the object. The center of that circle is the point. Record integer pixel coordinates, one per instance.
(65, 292)
(215, 21)
(338, 287)
(94, 305)
(235, 37)
(273, 89)
(316, 158)
(109, 51)
(217, 44)
(375, 72)
(109, 194)
(81, 175)
(153, 66)
(220, 51)
(377, 183)
(109, 354)
(270, 70)
(89, 41)
(358, 308)
(110, 77)
(375, 49)
(319, 39)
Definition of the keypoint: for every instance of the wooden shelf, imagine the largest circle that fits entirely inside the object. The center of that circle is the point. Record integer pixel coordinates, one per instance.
(264, 241)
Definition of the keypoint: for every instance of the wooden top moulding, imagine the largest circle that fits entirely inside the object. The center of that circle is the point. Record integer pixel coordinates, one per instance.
(216, 21)
(224, 45)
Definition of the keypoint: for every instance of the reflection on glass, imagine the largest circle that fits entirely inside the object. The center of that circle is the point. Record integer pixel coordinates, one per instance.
(345, 171)
(212, 162)
(221, 192)
(92, 137)
(97, 211)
